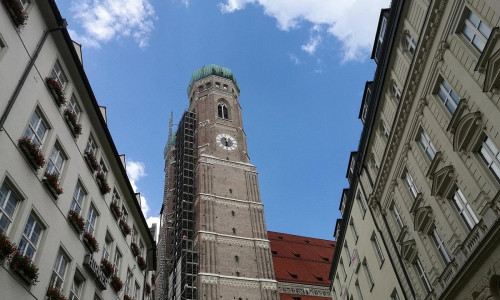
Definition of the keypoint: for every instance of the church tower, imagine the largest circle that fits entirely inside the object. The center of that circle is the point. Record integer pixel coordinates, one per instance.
(217, 244)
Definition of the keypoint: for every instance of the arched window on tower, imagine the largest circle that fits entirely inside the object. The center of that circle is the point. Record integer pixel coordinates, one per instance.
(222, 111)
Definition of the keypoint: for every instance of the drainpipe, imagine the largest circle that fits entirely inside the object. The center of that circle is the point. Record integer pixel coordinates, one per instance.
(26, 72)
(145, 272)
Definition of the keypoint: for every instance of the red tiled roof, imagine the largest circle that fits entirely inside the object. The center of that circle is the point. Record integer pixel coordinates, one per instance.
(300, 259)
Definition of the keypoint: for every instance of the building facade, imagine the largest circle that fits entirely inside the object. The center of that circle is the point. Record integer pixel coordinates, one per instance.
(67, 208)
(213, 226)
(301, 265)
(420, 219)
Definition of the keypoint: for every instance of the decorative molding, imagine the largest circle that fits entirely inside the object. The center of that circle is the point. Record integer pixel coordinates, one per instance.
(443, 45)
(269, 285)
(239, 283)
(443, 182)
(303, 290)
(468, 132)
(416, 203)
(261, 244)
(227, 127)
(215, 160)
(409, 250)
(422, 103)
(489, 62)
(438, 158)
(208, 279)
(231, 201)
(235, 241)
(424, 219)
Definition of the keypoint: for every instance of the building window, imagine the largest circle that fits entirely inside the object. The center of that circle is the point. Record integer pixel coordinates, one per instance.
(396, 91)
(25, 3)
(103, 168)
(342, 267)
(362, 203)
(358, 290)
(78, 197)
(31, 236)
(440, 246)
(464, 209)
(224, 87)
(386, 132)
(137, 289)
(217, 85)
(106, 249)
(222, 111)
(380, 39)
(77, 286)
(117, 261)
(134, 234)
(378, 249)
(56, 161)
(375, 164)
(91, 220)
(475, 31)
(91, 146)
(128, 282)
(448, 96)
(368, 274)
(57, 279)
(411, 184)
(422, 275)
(141, 247)
(347, 252)
(74, 107)
(116, 197)
(58, 75)
(427, 146)
(394, 295)
(410, 44)
(236, 258)
(124, 214)
(37, 128)
(8, 205)
(491, 156)
(397, 217)
(353, 230)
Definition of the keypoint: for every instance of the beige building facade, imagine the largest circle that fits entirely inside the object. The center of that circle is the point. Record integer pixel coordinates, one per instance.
(65, 199)
(420, 219)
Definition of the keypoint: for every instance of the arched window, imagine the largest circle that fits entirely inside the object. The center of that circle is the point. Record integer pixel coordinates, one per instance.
(222, 111)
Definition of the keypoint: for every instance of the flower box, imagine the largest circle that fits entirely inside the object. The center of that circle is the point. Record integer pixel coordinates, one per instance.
(148, 289)
(107, 268)
(56, 91)
(76, 220)
(103, 183)
(23, 266)
(153, 279)
(32, 152)
(16, 11)
(52, 182)
(90, 241)
(71, 119)
(127, 297)
(54, 294)
(116, 283)
(141, 262)
(135, 249)
(6, 246)
(115, 210)
(91, 160)
(124, 227)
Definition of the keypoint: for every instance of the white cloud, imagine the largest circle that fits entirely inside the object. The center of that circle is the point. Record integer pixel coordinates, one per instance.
(294, 58)
(135, 171)
(104, 20)
(353, 22)
(314, 40)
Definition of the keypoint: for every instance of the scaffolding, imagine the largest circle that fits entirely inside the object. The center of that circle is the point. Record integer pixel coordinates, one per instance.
(183, 260)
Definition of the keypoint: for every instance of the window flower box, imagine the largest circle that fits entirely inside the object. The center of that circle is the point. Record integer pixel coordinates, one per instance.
(127, 297)
(103, 183)
(23, 266)
(54, 294)
(71, 119)
(52, 182)
(107, 268)
(115, 210)
(76, 220)
(6, 246)
(124, 227)
(148, 289)
(116, 283)
(135, 249)
(92, 161)
(153, 279)
(16, 11)
(90, 241)
(56, 91)
(32, 152)
(141, 262)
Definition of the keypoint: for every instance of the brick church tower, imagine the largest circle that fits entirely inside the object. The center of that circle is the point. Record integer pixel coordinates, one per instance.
(214, 240)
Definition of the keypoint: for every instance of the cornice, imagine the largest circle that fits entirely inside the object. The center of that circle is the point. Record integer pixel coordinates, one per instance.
(303, 289)
(233, 239)
(203, 158)
(246, 282)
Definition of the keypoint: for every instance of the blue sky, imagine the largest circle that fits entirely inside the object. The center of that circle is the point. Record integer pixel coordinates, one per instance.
(301, 66)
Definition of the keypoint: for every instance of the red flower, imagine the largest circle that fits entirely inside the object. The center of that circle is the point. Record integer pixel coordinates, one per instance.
(77, 220)
(90, 241)
(52, 180)
(141, 262)
(56, 88)
(32, 151)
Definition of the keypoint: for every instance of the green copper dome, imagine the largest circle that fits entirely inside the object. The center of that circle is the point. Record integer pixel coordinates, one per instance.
(208, 70)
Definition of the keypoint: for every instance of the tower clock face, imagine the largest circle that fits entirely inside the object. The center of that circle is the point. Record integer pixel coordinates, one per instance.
(227, 142)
